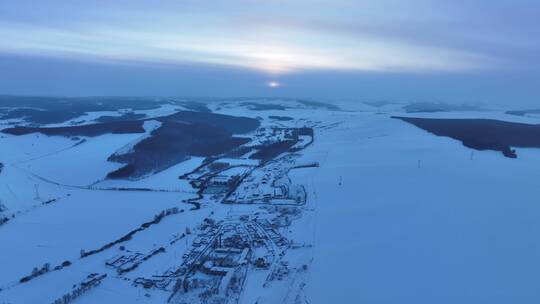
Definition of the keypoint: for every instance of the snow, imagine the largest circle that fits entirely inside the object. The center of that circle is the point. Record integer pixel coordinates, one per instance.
(393, 214)
(165, 180)
(454, 230)
(149, 126)
(90, 117)
(82, 164)
(88, 219)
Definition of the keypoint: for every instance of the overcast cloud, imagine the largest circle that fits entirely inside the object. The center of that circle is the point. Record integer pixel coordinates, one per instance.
(326, 48)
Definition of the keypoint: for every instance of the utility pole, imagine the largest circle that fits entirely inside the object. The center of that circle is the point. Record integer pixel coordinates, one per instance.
(36, 187)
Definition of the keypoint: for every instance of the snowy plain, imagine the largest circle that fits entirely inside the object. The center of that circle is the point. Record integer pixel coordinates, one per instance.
(420, 218)
(395, 214)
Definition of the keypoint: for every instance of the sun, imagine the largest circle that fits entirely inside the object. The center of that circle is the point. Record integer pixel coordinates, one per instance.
(273, 84)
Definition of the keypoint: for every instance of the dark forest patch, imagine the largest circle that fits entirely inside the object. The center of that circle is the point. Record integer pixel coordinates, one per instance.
(320, 105)
(180, 136)
(280, 118)
(173, 143)
(255, 106)
(47, 110)
(231, 124)
(123, 117)
(523, 112)
(194, 106)
(483, 134)
(432, 107)
(378, 104)
(268, 152)
(91, 130)
(271, 151)
(40, 116)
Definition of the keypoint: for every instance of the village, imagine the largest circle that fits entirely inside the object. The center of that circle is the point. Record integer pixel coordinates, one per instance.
(254, 202)
(244, 244)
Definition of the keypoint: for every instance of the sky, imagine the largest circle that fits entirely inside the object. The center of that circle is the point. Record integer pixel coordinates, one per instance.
(474, 51)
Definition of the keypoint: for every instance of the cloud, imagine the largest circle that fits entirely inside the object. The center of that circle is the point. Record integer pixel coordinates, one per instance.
(282, 36)
(279, 50)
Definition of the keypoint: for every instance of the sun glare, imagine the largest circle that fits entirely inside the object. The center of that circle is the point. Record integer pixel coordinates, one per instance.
(273, 84)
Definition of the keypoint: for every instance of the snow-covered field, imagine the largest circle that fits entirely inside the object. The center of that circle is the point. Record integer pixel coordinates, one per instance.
(393, 214)
(417, 220)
